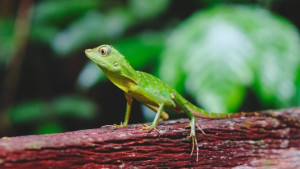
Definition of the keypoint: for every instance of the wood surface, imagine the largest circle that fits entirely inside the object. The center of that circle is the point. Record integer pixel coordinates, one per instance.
(267, 142)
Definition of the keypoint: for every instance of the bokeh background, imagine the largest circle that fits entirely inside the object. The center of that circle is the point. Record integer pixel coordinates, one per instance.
(223, 55)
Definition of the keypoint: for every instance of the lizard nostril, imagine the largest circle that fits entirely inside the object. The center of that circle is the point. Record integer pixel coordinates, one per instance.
(88, 50)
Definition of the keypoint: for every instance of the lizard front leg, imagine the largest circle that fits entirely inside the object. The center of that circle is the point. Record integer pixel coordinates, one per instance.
(156, 119)
(128, 110)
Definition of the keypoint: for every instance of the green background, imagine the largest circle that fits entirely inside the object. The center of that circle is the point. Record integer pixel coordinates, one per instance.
(223, 55)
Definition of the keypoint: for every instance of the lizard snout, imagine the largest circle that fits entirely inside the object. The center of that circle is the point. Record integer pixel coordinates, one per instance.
(88, 51)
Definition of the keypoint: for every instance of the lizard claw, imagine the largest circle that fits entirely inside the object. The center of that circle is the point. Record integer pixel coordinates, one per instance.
(149, 128)
(200, 129)
(119, 126)
(194, 144)
(189, 126)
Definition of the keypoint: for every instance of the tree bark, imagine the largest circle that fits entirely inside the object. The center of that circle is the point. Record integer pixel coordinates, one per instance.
(236, 142)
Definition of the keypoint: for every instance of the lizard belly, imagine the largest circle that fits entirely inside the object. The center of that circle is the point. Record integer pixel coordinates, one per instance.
(152, 104)
(152, 99)
(143, 99)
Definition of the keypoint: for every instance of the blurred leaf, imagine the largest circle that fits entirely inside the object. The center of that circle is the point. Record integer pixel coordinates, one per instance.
(27, 112)
(297, 96)
(48, 128)
(211, 2)
(74, 106)
(89, 76)
(93, 27)
(41, 111)
(143, 48)
(6, 39)
(52, 15)
(44, 33)
(147, 9)
(220, 52)
(58, 11)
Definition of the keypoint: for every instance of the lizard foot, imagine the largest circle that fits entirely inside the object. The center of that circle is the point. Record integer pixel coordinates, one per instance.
(119, 126)
(194, 144)
(189, 126)
(149, 128)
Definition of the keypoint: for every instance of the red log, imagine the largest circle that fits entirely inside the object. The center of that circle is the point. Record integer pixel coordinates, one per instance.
(246, 141)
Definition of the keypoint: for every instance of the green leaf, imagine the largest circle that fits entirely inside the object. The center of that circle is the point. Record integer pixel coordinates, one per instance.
(93, 27)
(6, 39)
(48, 128)
(147, 9)
(51, 16)
(97, 26)
(220, 52)
(89, 76)
(32, 111)
(41, 111)
(43, 33)
(297, 96)
(74, 106)
(142, 48)
(58, 11)
(212, 2)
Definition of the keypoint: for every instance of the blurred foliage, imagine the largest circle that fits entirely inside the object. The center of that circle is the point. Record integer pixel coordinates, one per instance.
(6, 39)
(52, 16)
(221, 52)
(217, 52)
(41, 112)
(106, 25)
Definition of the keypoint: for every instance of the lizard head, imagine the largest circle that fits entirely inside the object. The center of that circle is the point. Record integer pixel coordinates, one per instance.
(106, 57)
(113, 64)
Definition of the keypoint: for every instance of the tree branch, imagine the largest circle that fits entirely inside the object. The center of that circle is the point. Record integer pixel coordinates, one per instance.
(246, 141)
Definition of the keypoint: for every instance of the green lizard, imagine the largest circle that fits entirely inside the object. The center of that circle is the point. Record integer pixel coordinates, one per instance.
(151, 91)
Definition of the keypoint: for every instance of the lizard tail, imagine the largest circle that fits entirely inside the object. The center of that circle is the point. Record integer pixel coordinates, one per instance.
(198, 112)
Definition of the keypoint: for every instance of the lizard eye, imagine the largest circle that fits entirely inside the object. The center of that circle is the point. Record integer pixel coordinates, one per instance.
(105, 50)
(102, 51)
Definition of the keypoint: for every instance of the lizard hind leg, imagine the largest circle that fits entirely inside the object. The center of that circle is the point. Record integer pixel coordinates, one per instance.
(193, 138)
(193, 125)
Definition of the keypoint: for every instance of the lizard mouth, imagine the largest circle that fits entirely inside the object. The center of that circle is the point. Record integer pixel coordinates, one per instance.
(90, 54)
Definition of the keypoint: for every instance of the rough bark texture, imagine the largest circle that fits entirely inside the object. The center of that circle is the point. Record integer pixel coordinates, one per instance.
(236, 142)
